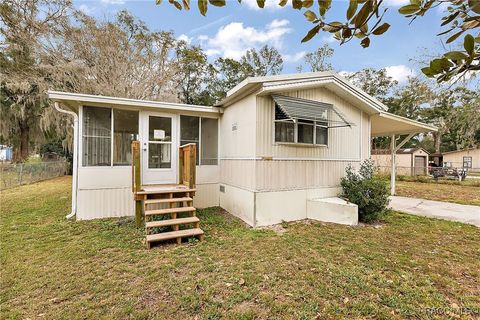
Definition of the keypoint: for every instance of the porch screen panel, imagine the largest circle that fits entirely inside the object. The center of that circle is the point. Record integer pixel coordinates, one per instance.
(125, 130)
(190, 132)
(96, 136)
(209, 137)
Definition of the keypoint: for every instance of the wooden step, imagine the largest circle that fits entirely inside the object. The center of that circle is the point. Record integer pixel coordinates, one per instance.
(163, 191)
(171, 222)
(174, 235)
(169, 200)
(168, 211)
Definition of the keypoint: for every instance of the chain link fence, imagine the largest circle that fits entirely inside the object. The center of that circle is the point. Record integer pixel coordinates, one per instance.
(12, 175)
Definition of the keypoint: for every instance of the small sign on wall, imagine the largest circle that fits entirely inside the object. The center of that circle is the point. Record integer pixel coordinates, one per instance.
(234, 127)
(158, 134)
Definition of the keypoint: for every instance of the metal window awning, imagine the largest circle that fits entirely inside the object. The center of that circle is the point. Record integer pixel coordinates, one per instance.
(303, 109)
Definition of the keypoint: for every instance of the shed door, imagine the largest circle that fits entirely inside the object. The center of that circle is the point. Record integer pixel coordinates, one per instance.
(420, 165)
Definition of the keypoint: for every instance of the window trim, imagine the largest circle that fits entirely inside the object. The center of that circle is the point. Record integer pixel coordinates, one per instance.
(296, 121)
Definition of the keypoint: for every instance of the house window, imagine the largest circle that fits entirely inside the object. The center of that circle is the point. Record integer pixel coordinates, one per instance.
(204, 133)
(125, 130)
(97, 134)
(467, 162)
(302, 131)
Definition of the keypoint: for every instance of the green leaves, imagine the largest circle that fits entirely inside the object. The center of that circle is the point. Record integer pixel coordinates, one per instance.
(352, 8)
(474, 5)
(311, 33)
(409, 9)
(310, 15)
(297, 4)
(324, 6)
(202, 7)
(221, 3)
(381, 29)
(469, 44)
(365, 42)
(456, 55)
(362, 15)
(455, 36)
(261, 3)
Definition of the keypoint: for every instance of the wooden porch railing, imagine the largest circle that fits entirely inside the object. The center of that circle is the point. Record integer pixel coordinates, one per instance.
(187, 162)
(137, 182)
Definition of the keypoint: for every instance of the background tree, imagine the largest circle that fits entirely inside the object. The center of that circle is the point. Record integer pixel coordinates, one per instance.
(319, 60)
(266, 61)
(364, 20)
(194, 73)
(25, 26)
(375, 82)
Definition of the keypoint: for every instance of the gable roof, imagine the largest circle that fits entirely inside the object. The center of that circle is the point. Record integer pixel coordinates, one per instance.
(328, 79)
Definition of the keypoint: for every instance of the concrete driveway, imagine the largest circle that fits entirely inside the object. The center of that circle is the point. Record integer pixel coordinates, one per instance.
(437, 209)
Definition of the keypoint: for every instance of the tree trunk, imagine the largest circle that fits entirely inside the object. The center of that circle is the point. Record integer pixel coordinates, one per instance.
(437, 138)
(23, 149)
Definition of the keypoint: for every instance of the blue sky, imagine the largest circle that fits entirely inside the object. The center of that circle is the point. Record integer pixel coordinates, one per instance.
(230, 30)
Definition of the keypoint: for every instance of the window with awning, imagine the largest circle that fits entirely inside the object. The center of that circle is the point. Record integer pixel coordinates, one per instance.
(305, 121)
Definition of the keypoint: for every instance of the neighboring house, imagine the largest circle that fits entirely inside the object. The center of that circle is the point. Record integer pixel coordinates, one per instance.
(409, 161)
(270, 147)
(6, 153)
(468, 159)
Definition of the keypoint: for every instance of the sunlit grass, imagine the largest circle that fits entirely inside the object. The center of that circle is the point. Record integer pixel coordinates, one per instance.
(58, 269)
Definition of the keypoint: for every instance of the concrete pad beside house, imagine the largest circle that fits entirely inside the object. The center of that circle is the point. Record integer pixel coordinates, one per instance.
(437, 209)
(334, 210)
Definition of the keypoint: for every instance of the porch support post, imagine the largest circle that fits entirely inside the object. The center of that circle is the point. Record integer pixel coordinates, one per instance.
(393, 170)
(137, 183)
(394, 150)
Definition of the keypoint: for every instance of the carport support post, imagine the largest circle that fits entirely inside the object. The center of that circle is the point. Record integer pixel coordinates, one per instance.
(393, 172)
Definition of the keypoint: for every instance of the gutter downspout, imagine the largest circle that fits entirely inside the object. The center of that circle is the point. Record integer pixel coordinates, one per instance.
(75, 159)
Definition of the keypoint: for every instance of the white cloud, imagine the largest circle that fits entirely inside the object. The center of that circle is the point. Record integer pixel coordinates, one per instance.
(396, 3)
(85, 9)
(329, 38)
(294, 57)
(233, 39)
(400, 72)
(184, 37)
(113, 2)
(269, 4)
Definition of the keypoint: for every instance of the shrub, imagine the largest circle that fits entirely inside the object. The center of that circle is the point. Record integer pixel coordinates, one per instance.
(367, 191)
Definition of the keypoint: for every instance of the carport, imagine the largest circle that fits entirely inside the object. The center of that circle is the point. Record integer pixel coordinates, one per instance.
(400, 130)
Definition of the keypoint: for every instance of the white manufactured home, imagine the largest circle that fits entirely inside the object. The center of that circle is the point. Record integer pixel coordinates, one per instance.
(266, 153)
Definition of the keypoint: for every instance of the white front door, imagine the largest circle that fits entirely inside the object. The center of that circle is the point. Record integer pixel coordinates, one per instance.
(159, 148)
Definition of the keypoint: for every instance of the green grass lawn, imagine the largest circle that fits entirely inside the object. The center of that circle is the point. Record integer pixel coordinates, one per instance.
(465, 193)
(57, 269)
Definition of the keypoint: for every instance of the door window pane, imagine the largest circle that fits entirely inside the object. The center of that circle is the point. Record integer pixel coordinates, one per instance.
(305, 133)
(159, 129)
(190, 131)
(284, 132)
(209, 142)
(125, 130)
(159, 155)
(96, 138)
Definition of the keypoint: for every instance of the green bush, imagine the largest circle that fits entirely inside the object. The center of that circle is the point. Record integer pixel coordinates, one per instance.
(367, 191)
